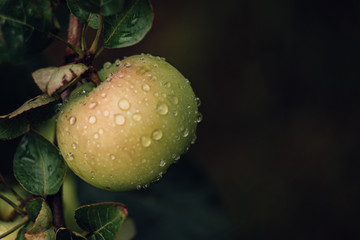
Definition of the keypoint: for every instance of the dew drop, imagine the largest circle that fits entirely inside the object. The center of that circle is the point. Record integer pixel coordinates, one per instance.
(198, 101)
(96, 136)
(199, 117)
(168, 85)
(101, 131)
(157, 134)
(162, 109)
(72, 120)
(50, 168)
(117, 62)
(143, 160)
(145, 141)
(112, 157)
(70, 156)
(107, 65)
(146, 87)
(74, 145)
(119, 119)
(175, 113)
(92, 105)
(127, 65)
(106, 113)
(185, 132)
(173, 99)
(162, 163)
(103, 95)
(138, 187)
(92, 119)
(124, 104)
(137, 117)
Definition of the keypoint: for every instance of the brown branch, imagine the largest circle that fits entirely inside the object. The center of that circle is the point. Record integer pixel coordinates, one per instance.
(74, 38)
(56, 205)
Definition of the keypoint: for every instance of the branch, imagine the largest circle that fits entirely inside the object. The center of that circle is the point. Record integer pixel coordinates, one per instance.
(74, 38)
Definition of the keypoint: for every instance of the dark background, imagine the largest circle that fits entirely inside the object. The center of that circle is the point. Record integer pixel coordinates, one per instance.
(277, 154)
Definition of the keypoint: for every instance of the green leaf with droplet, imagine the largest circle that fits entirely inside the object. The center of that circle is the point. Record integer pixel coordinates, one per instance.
(129, 26)
(22, 27)
(67, 234)
(13, 128)
(102, 7)
(38, 165)
(101, 220)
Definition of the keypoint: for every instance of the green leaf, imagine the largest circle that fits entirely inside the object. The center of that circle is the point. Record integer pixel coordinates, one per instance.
(21, 233)
(105, 8)
(66, 234)
(35, 102)
(83, 15)
(39, 213)
(22, 27)
(101, 220)
(13, 128)
(129, 26)
(33, 208)
(38, 165)
(51, 79)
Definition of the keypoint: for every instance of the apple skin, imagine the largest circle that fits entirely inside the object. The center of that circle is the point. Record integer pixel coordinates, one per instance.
(127, 131)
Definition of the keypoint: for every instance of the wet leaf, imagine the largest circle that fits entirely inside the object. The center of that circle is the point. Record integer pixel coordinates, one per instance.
(101, 220)
(13, 128)
(83, 15)
(129, 26)
(22, 27)
(38, 165)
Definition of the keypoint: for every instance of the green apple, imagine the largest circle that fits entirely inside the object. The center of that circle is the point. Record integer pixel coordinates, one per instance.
(127, 131)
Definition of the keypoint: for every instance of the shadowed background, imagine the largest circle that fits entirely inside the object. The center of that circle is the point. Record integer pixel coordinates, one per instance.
(277, 152)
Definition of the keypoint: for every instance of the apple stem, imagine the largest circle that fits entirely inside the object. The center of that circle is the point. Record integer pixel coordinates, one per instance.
(10, 231)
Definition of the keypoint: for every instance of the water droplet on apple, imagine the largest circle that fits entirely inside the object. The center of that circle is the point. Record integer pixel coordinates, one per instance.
(198, 101)
(162, 109)
(72, 120)
(157, 134)
(124, 104)
(137, 117)
(119, 119)
(74, 145)
(92, 105)
(185, 132)
(162, 163)
(173, 99)
(146, 87)
(92, 119)
(145, 141)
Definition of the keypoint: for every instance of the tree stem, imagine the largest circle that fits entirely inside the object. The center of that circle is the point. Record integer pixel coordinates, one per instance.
(56, 205)
(74, 38)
